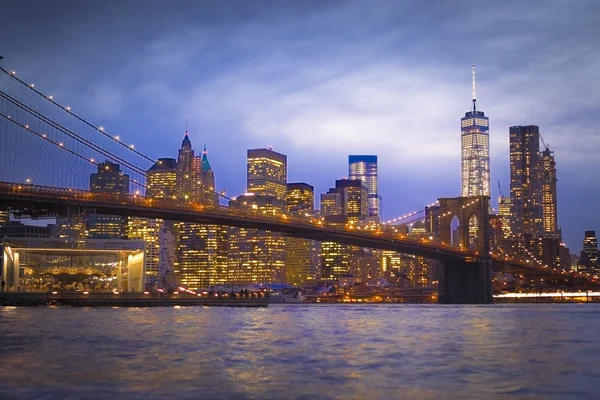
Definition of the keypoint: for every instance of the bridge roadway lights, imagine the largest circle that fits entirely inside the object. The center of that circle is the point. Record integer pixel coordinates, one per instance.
(466, 282)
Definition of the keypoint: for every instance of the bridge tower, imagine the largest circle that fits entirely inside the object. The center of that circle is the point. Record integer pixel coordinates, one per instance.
(463, 222)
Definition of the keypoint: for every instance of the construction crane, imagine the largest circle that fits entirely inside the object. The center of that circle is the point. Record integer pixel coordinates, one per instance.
(500, 189)
(546, 146)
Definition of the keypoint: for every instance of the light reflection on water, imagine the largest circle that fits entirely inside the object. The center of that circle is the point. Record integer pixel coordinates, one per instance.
(536, 351)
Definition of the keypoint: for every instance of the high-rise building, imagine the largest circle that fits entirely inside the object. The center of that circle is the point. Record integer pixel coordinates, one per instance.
(185, 176)
(475, 151)
(300, 198)
(161, 183)
(505, 216)
(331, 204)
(161, 179)
(108, 179)
(202, 249)
(525, 185)
(548, 182)
(354, 194)
(256, 256)
(364, 167)
(590, 242)
(302, 255)
(347, 202)
(590, 256)
(267, 173)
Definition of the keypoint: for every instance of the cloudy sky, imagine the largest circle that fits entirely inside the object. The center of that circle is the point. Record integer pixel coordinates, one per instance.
(319, 80)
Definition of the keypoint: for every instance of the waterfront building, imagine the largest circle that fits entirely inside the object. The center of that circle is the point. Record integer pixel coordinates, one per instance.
(364, 167)
(256, 256)
(267, 173)
(108, 179)
(302, 255)
(525, 187)
(475, 151)
(161, 183)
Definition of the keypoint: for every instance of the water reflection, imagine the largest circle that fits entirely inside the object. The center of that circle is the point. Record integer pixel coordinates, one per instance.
(302, 351)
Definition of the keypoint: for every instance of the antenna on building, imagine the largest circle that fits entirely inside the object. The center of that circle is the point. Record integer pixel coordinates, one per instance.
(186, 118)
(474, 109)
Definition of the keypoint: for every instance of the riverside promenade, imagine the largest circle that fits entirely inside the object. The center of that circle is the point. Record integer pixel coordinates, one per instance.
(111, 299)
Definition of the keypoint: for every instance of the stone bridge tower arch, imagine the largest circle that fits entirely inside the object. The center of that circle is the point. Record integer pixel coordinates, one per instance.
(463, 208)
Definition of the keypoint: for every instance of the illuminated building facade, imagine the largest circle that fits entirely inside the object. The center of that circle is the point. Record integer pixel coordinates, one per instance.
(267, 173)
(549, 206)
(4, 216)
(355, 198)
(475, 151)
(505, 216)
(590, 257)
(202, 249)
(161, 179)
(108, 179)
(161, 183)
(256, 256)
(300, 197)
(525, 186)
(302, 255)
(185, 176)
(364, 167)
(331, 204)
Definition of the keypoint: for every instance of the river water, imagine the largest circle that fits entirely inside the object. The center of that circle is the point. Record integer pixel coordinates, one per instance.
(525, 351)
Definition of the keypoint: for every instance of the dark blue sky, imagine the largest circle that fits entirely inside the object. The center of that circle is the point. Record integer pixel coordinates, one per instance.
(319, 80)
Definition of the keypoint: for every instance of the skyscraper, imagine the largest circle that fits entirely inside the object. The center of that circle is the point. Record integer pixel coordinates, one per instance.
(364, 167)
(525, 186)
(161, 179)
(302, 255)
(184, 177)
(267, 173)
(548, 181)
(108, 179)
(161, 183)
(355, 203)
(256, 256)
(590, 256)
(505, 216)
(202, 249)
(475, 151)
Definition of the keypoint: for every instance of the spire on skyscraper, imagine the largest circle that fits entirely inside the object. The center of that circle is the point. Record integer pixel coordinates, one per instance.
(186, 143)
(474, 97)
(205, 163)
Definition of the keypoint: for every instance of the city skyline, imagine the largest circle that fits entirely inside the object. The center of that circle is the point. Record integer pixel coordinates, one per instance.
(148, 107)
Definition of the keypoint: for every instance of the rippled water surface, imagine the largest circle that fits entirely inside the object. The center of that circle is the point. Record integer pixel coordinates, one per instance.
(302, 352)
